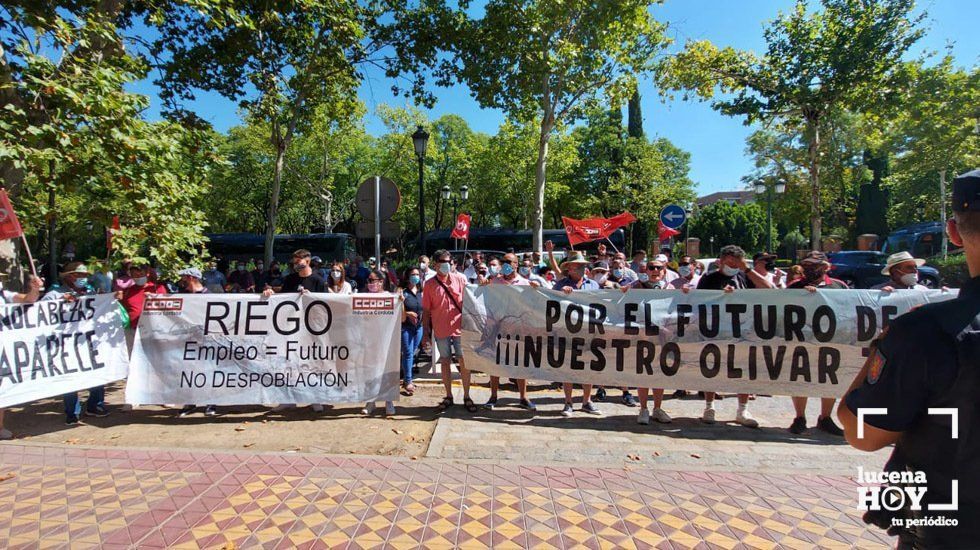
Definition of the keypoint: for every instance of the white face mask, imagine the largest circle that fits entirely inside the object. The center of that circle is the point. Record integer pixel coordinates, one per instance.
(445, 268)
(139, 281)
(601, 277)
(684, 271)
(729, 271)
(644, 277)
(910, 279)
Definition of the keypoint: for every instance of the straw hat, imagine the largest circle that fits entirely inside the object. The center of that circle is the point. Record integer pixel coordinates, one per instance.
(900, 257)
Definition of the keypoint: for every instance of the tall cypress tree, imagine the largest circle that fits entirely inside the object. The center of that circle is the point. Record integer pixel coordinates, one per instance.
(640, 232)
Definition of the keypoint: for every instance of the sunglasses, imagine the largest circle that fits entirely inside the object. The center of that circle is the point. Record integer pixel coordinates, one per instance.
(655, 268)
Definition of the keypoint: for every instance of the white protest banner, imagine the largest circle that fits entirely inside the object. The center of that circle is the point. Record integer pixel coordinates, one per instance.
(54, 347)
(787, 342)
(241, 349)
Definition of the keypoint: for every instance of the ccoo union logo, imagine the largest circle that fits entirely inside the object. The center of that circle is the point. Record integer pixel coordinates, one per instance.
(373, 304)
(163, 304)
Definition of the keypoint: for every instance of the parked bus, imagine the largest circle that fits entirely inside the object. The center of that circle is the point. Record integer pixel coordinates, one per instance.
(243, 246)
(516, 239)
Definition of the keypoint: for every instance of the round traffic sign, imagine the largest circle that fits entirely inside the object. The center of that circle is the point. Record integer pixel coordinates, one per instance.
(391, 199)
(673, 216)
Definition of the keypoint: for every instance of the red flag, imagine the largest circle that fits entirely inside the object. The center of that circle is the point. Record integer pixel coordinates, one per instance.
(593, 229)
(109, 232)
(462, 229)
(9, 226)
(665, 232)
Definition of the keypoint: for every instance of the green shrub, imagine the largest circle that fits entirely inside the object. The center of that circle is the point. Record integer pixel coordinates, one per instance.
(953, 269)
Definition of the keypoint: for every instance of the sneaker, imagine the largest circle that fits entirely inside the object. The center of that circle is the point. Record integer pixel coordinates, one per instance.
(744, 417)
(6, 434)
(798, 426)
(590, 408)
(186, 411)
(71, 420)
(210, 410)
(708, 416)
(661, 416)
(389, 408)
(680, 393)
(600, 394)
(827, 424)
(628, 399)
(317, 407)
(98, 410)
(527, 404)
(644, 417)
(490, 404)
(567, 411)
(369, 408)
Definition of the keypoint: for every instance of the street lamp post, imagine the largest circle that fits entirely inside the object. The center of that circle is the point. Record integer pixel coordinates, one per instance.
(420, 139)
(760, 188)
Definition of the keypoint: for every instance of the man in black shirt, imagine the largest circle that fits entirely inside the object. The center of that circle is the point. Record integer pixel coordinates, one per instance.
(729, 277)
(302, 277)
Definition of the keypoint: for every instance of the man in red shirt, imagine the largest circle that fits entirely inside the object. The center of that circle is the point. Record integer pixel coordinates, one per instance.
(133, 298)
(442, 315)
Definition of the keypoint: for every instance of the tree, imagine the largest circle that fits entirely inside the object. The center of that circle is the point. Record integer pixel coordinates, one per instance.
(73, 146)
(739, 224)
(845, 57)
(546, 61)
(282, 62)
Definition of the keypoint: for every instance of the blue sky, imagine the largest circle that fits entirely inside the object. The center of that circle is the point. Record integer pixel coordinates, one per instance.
(716, 142)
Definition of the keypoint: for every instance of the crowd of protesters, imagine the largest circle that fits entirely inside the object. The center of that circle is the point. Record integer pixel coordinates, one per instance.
(432, 294)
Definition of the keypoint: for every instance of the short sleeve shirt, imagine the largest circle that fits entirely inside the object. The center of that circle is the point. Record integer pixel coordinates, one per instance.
(293, 282)
(447, 318)
(584, 284)
(912, 361)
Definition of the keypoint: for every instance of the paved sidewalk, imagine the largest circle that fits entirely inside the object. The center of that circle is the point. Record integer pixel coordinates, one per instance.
(71, 497)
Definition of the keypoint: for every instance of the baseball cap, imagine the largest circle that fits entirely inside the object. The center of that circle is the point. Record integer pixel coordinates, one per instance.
(190, 272)
(604, 266)
(661, 258)
(966, 192)
(815, 257)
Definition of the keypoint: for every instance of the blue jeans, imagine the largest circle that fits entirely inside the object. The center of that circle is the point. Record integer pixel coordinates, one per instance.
(411, 338)
(96, 396)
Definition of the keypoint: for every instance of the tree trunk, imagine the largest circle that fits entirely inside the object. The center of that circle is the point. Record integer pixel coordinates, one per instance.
(814, 149)
(540, 171)
(273, 213)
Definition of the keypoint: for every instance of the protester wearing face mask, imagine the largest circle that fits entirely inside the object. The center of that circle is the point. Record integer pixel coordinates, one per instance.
(764, 273)
(375, 284)
(619, 275)
(442, 315)
(575, 279)
(815, 267)
(411, 291)
(259, 276)
(528, 270)
(903, 273)
(471, 267)
(190, 283)
(240, 280)
(425, 271)
(336, 280)
(600, 275)
(639, 262)
(687, 274)
(729, 277)
(274, 276)
(302, 278)
(31, 295)
(655, 272)
(214, 279)
(74, 284)
(509, 276)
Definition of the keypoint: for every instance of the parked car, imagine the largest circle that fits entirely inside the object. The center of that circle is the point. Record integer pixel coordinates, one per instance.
(923, 240)
(862, 269)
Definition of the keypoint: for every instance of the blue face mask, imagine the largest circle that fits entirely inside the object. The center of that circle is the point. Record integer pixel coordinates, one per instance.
(80, 283)
(507, 270)
(414, 279)
(444, 268)
(494, 270)
(525, 271)
(617, 273)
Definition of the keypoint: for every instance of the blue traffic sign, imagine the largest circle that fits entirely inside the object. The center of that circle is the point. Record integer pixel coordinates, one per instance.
(673, 216)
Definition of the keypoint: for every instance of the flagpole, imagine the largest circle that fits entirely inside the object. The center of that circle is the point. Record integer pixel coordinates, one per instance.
(611, 244)
(30, 258)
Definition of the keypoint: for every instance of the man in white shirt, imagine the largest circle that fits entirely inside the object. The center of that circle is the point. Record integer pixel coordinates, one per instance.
(903, 272)
(764, 273)
(687, 275)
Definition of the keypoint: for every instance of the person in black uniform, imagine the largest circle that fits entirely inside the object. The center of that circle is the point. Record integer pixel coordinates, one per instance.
(930, 358)
(302, 279)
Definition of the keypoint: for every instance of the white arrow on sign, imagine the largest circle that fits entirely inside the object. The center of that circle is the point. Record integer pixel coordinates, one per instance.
(671, 216)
